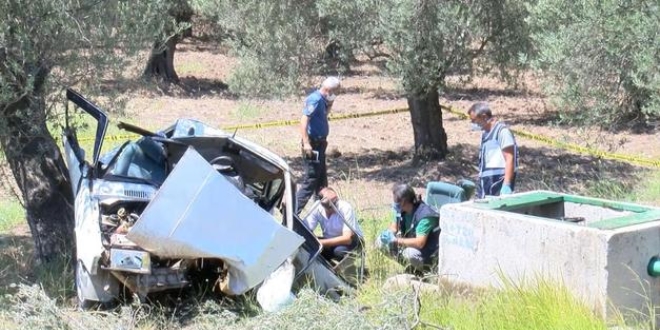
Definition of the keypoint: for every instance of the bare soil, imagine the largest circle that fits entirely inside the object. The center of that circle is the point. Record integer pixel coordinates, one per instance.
(367, 155)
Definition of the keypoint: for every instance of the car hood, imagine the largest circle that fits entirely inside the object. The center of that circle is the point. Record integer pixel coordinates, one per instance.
(198, 213)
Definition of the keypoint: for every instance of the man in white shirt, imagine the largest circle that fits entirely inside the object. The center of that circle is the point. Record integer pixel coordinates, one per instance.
(341, 232)
(498, 156)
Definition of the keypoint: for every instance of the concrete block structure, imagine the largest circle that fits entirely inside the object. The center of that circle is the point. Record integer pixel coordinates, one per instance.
(603, 251)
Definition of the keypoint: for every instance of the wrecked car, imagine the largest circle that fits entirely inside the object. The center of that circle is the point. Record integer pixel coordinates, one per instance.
(187, 204)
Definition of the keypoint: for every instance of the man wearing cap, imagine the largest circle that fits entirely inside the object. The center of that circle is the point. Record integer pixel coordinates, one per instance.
(341, 232)
(498, 155)
(314, 129)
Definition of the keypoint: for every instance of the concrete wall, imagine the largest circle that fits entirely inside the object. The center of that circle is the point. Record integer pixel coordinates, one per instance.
(480, 247)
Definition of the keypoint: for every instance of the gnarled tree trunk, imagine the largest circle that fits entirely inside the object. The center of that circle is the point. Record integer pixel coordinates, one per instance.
(426, 116)
(161, 61)
(40, 173)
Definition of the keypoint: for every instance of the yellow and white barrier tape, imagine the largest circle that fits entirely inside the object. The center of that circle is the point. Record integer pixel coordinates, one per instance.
(572, 146)
(525, 134)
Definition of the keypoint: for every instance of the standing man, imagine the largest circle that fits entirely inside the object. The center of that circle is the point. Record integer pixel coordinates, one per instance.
(413, 237)
(314, 129)
(498, 155)
(341, 231)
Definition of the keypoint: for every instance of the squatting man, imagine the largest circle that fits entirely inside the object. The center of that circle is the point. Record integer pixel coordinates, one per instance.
(340, 229)
(413, 236)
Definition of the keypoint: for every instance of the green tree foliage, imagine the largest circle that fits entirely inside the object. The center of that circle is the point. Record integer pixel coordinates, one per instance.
(279, 43)
(276, 41)
(600, 59)
(46, 45)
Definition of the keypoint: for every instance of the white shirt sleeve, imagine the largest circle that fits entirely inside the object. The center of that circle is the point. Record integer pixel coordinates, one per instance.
(349, 215)
(506, 138)
(311, 221)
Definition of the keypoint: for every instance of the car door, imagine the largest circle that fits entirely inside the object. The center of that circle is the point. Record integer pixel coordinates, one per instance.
(79, 167)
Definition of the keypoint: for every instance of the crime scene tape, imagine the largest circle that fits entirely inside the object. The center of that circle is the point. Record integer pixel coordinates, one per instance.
(331, 117)
(274, 123)
(572, 146)
(525, 134)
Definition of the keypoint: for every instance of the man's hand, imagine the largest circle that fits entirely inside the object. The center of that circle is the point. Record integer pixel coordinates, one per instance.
(506, 189)
(387, 237)
(307, 150)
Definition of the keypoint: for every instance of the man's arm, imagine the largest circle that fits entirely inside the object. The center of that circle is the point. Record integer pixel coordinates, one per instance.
(424, 228)
(507, 144)
(508, 164)
(394, 227)
(413, 242)
(344, 239)
(346, 233)
(304, 121)
(311, 221)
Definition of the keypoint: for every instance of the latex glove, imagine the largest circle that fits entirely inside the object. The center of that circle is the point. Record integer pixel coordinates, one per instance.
(386, 237)
(506, 190)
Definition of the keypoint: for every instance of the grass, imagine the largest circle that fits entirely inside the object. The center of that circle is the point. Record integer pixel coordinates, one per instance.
(192, 68)
(649, 190)
(543, 305)
(11, 214)
(246, 111)
(40, 296)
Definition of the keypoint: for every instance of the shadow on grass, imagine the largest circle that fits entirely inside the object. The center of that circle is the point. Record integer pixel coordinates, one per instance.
(18, 265)
(453, 93)
(16, 259)
(540, 168)
(187, 88)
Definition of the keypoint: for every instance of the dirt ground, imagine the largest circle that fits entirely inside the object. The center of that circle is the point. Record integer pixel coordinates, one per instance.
(367, 155)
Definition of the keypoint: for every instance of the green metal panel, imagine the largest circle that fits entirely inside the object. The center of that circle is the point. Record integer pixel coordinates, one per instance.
(614, 205)
(516, 201)
(627, 220)
(640, 214)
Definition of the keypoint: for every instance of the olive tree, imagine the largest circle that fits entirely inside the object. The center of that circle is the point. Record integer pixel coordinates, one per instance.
(423, 42)
(176, 22)
(600, 59)
(46, 45)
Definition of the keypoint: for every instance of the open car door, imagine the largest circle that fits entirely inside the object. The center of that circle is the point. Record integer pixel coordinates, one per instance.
(78, 166)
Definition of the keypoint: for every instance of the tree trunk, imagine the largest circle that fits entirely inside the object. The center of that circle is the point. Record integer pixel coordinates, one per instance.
(40, 173)
(426, 117)
(161, 62)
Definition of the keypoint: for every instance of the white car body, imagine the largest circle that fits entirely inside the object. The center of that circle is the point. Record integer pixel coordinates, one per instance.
(154, 213)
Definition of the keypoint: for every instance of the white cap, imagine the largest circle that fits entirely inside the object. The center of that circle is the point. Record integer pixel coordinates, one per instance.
(331, 83)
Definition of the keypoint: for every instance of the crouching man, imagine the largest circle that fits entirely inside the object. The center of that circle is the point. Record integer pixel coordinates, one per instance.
(341, 232)
(413, 235)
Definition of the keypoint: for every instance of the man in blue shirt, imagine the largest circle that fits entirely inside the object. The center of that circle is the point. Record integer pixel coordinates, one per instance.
(498, 155)
(314, 129)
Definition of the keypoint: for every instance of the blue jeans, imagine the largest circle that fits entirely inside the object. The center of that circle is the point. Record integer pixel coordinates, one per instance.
(491, 185)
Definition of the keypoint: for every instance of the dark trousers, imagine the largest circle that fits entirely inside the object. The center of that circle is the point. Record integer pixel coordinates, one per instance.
(340, 251)
(491, 185)
(316, 175)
